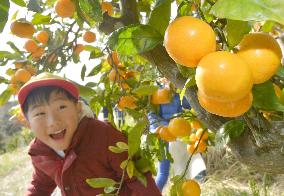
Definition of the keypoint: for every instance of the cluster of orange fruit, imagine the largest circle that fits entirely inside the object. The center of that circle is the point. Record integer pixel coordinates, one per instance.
(23, 73)
(197, 138)
(224, 79)
(67, 8)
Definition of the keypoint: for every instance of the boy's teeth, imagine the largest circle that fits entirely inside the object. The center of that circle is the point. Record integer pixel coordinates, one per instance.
(58, 131)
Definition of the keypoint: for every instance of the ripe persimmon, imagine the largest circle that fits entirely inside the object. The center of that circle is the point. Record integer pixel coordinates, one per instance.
(89, 37)
(78, 49)
(22, 75)
(191, 188)
(127, 102)
(38, 54)
(223, 76)
(31, 46)
(42, 37)
(164, 134)
(262, 53)
(22, 29)
(188, 39)
(65, 8)
(223, 108)
(199, 132)
(107, 7)
(179, 127)
(161, 96)
(113, 58)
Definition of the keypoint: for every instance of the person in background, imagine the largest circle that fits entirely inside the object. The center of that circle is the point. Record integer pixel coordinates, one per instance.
(177, 148)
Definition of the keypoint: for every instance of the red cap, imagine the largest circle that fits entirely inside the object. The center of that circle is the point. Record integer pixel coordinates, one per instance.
(46, 79)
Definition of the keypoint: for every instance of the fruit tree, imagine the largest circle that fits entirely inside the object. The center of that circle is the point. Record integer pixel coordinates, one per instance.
(224, 56)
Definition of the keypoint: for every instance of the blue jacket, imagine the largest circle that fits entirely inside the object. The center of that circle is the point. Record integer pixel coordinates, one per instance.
(166, 111)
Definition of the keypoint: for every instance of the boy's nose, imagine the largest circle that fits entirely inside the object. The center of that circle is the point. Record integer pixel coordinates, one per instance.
(53, 120)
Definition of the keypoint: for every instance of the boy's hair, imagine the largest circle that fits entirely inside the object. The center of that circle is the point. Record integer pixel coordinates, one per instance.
(41, 95)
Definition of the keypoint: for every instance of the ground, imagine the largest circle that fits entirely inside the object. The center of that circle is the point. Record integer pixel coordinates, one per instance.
(226, 176)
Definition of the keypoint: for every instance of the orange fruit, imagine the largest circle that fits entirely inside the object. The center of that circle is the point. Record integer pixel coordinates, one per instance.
(89, 37)
(22, 29)
(223, 76)
(199, 133)
(195, 124)
(179, 127)
(161, 96)
(18, 65)
(31, 46)
(107, 7)
(124, 86)
(262, 53)
(127, 102)
(190, 148)
(164, 134)
(31, 69)
(78, 48)
(193, 138)
(38, 54)
(225, 109)
(114, 75)
(191, 188)
(22, 75)
(113, 58)
(42, 37)
(188, 39)
(201, 146)
(65, 8)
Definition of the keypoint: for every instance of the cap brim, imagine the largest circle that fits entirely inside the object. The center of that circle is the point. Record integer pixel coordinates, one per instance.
(28, 87)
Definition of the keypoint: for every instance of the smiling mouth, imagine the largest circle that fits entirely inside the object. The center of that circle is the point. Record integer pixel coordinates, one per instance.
(58, 135)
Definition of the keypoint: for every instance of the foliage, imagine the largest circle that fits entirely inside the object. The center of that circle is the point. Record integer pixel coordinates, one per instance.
(134, 33)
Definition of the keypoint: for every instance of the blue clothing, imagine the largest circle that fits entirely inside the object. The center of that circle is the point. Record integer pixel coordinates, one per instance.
(166, 111)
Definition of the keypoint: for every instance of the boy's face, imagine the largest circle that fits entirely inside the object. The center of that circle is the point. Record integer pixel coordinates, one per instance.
(55, 122)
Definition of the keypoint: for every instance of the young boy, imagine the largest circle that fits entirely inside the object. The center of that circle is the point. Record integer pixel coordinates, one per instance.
(68, 147)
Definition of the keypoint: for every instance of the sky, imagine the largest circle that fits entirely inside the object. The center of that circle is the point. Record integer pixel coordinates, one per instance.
(71, 71)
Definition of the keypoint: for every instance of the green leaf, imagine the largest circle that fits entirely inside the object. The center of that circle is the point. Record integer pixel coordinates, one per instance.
(250, 10)
(189, 82)
(176, 186)
(145, 90)
(115, 149)
(134, 137)
(264, 97)
(83, 72)
(122, 145)
(123, 164)
(95, 70)
(95, 51)
(6, 54)
(267, 27)
(34, 5)
(235, 30)
(140, 177)
(130, 169)
(143, 165)
(4, 11)
(280, 72)
(109, 189)
(101, 182)
(134, 39)
(86, 91)
(160, 16)
(41, 19)
(5, 96)
(230, 130)
(21, 3)
(89, 11)
(14, 47)
(184, 9)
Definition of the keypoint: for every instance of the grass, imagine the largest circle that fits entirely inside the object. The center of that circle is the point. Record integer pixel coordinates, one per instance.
(226, 176)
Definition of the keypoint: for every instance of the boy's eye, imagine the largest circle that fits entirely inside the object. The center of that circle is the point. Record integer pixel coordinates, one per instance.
(39, 114)
(62, 107)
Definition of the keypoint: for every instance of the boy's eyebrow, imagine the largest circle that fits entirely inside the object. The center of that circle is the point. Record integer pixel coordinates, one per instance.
(35, 106)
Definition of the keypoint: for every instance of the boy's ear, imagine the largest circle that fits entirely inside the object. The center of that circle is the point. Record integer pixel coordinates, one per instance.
(79, 107)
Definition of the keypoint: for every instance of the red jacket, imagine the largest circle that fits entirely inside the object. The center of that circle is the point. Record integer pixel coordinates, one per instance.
(87, 157)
